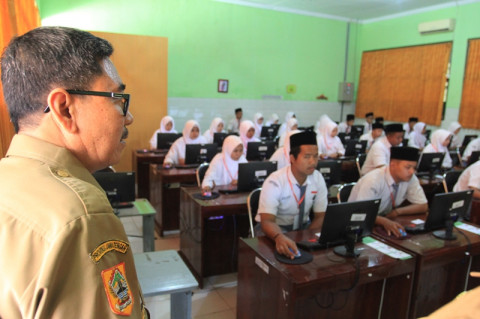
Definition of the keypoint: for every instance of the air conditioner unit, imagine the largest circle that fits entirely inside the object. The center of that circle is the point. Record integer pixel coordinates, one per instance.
(436, 26)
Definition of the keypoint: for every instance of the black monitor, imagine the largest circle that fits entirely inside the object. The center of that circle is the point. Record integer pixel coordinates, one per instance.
(445, 210)
(344, 137)
(355, 147)
(331, 171)
(260, 151)
(306, 128)
(119, 187)
(346, 223)
(219, 137)
(357, 131)
(252, 175)
(473, 157)
(269, 132)
(200, 153)
(429, 164)
(165, 140)
(467, 139)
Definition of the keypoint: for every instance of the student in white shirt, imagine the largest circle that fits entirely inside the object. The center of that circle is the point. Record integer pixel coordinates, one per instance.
(234, 124)
(292, 124)
(273, 120)
(472, 146)
(367, 128)
(223, 169)
(282, 154)
(191, 135)
(167, 125)
(408, 127)
(373, 135)
(329, 144)
(215, 127)
(379, 154)
(455, 128)
(289, 193)
(469, 179)
(394, 184)
(439, 144)
(283, 127)
(346, 127)
(247, 134)
(417, 138)
(258, 122)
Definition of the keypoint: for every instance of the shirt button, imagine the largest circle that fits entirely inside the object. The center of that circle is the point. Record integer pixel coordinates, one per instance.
(62, 173)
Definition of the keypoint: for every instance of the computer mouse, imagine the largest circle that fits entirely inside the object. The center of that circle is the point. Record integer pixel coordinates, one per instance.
(402, 232)
(207, 194)
(298, 254)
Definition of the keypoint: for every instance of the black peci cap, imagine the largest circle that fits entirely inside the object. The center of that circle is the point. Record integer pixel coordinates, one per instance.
(303, 138)
(404, 153)
(368, 114)
(377, 125)
(379, 119)
(350, 117)
(238, 110)
(413, 119)
(394, 128)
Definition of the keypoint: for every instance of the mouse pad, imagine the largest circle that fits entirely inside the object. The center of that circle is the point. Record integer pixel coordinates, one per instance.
(200, 196)
(304, 259)
(382, 232)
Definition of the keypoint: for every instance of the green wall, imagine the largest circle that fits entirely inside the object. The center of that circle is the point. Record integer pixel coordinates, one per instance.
(400, 32)
(259, 51)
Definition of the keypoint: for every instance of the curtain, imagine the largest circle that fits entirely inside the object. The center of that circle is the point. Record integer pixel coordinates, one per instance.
(403, 82)
(16, 18)
(469, 115)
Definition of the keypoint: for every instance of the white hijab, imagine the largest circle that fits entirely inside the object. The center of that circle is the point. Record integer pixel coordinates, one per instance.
(274, 118)
(325, 130)
(244, 127)
(164, 122)
(454, 126)
(417, 135)
(213, 127)
(187, 129)
(286, 145)
(229, 145)
(258, 127)
(438, 137)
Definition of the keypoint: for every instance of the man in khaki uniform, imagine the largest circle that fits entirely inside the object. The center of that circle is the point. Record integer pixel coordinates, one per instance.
(63, 253)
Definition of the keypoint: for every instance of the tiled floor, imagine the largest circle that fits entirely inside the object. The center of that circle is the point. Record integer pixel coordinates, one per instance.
(218, 298)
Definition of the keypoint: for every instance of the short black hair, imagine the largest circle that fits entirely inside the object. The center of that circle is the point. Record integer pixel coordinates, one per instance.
(295, 151)
(45, 58)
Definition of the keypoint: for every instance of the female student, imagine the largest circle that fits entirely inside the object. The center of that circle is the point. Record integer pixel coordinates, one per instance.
(283, 127)
(455, 128)
(258, 122)
(223, 169)
(167, 125)
(329, 144)
(292, 124)
(417, 137)
(282, 154)
(215, 127)
(273, 120)
(247, 134)
(439, 144)
(191, 135)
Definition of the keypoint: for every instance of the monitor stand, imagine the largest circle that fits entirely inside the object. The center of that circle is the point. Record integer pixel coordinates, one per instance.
(446, 234)
(349, 249)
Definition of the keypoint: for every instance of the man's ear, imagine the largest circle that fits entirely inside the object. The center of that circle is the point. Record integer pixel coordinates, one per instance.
(62, 110)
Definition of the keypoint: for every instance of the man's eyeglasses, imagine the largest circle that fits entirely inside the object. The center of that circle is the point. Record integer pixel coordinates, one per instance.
(125, 98)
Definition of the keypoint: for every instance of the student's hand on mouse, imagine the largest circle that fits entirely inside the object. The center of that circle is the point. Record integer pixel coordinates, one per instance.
(167, 165)
(206, 189)
(393, 228)
(283, 245)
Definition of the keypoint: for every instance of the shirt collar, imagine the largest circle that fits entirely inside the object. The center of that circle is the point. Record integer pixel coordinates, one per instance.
(294, 180)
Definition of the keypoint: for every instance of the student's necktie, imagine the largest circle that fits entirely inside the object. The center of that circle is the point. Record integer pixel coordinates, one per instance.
(301, 206)
(394, 194)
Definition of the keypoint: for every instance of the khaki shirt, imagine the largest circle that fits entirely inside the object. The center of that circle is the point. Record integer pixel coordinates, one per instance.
(63, 253)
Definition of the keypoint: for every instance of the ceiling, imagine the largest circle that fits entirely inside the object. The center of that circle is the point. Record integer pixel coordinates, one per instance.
(361, 10)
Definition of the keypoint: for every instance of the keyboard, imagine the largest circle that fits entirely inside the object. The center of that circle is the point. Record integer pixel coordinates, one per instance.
(186, 166)
(417, 229)
(122, 205)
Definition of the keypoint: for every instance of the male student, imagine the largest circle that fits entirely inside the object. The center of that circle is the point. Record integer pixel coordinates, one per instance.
(346, 127)
(234, 124)
(397, 187)
(469, 179)
(289, 193)
(368, 123)
(379, 154)
(63, 252)
(408, 127)
(372, 135)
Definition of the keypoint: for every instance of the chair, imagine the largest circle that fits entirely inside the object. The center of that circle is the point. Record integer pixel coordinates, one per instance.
(359, 161)
(456, 157)
(344, 192)
(200, 173)
(252, 204)
(450, 178)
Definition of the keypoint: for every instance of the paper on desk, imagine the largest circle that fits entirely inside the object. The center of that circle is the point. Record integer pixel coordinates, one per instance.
(417, 221)
(143, 206)
(385, 249)
(469, 228)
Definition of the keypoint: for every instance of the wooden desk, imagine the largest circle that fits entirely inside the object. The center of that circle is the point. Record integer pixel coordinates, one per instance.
(209, 231)
(164, 272)
(270, 289)
(165, 194)
(475, 212)
(442, 266)
(141, 160)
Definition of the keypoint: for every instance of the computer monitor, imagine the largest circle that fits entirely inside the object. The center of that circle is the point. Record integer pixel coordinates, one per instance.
(200, 153)
(269, 132)
(429, 164)
(260, 151)
(355, 147)
(252, 175)
(119, 186)
(445, 210)
(331, 171)
(473, 157)
(219, 137)
(346, 223)
(357, 131)
(165, 140)
(467, 139)
(306, 128)
(344, 137)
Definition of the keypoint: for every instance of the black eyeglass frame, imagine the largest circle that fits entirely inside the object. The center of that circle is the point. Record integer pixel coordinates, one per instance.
(114, 95)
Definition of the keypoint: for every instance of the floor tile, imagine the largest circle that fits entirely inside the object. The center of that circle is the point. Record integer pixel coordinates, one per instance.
(229, 295)
(227, 314)
(208, 302)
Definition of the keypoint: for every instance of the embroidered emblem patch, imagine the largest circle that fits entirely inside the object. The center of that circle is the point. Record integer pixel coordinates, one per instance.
(107, 246)
(118, 292)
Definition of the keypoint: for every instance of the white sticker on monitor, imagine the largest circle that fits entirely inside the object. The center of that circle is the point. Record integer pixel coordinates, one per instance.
(435, 160)
(263, 148)
(458, 204)
(260, 173)
(358, 217)
(359, 146)
(325, 170)
(203, 151)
